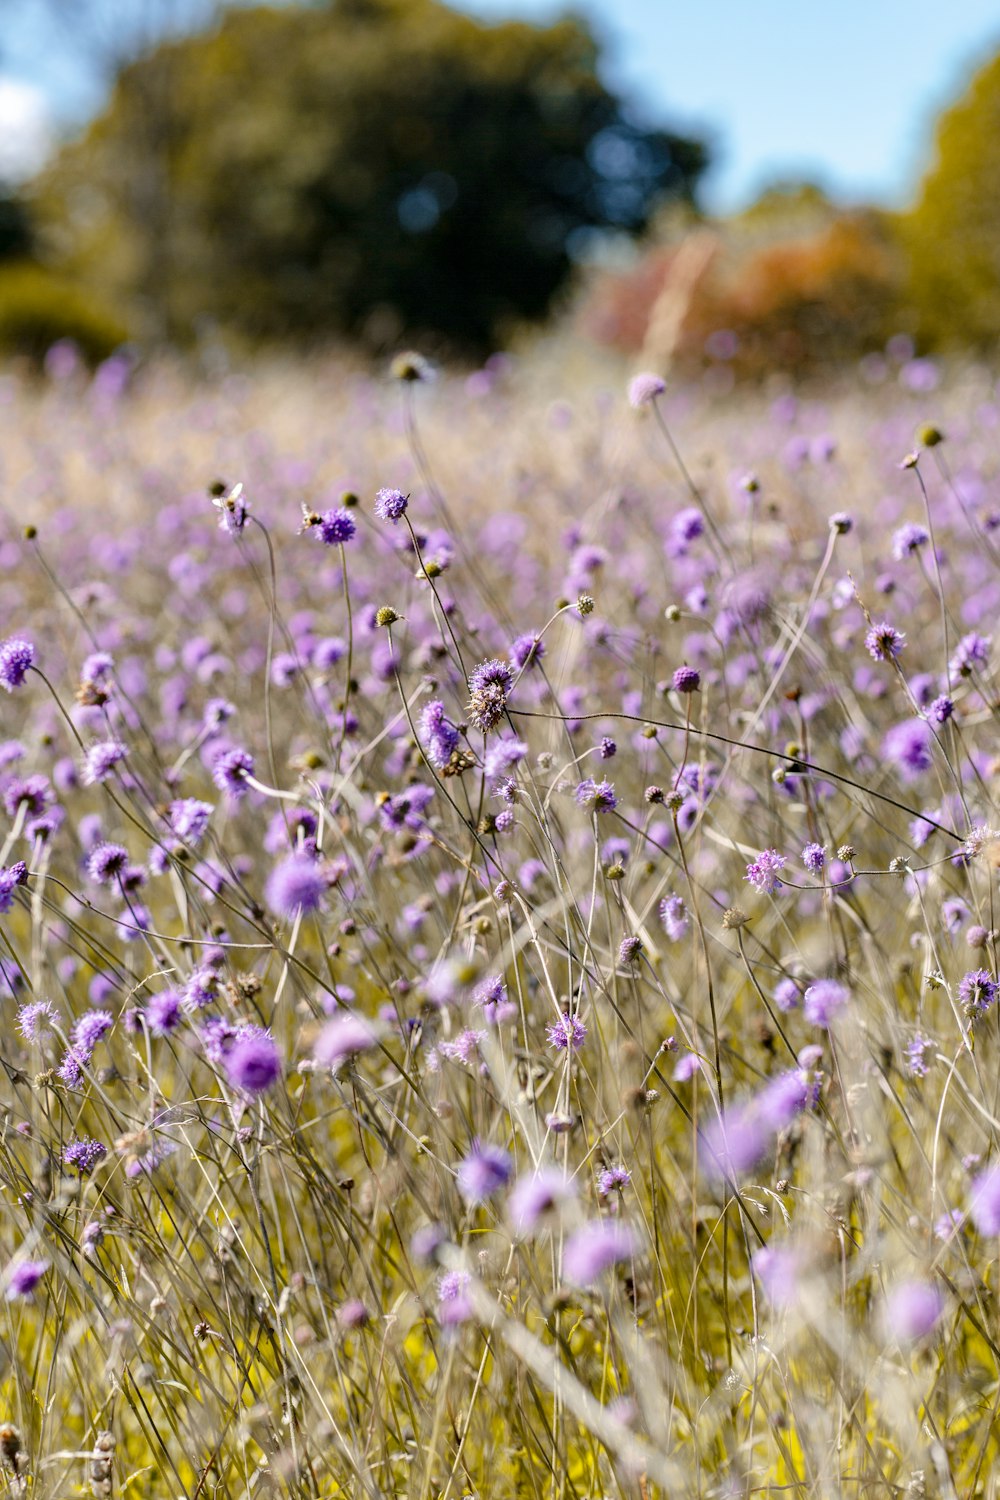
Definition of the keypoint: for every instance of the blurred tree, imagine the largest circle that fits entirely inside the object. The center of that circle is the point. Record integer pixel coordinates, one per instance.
(952, 235)
(362, 166)
(15, 226)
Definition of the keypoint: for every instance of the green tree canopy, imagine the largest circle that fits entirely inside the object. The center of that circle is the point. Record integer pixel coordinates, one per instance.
(952, 234)
(356, 165)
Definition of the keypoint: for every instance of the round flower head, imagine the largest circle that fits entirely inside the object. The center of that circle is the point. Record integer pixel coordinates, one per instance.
(101, 760)
(686, 680)
(911, 1311)
(777, 1269)
(569, 1031)
(644, 388)
(253, 1062)
(971, 654)
(335, 526)
(234, 510)
(596, 796)
(984, 1205)
(527, 651)
(941, 709)
(674, 917)
(297, 884)
(535, 1198)
(595, 1248)
(909, 747)
(189, 819)
(230, 770)
(164, 1012)
(343, 1037)
(823, 1002)
(762, 873)
(23, 1277)
(814, 857)
(908, 539)
(84, 1155)
(613, 1180)
(454, 1302)
(438, 735)
(107, 862)
(16, 657)
(884, 642)
(10, 878)
(390, 505)
(483, 1172)
(489, 688)
(841, 522)
(978, 992)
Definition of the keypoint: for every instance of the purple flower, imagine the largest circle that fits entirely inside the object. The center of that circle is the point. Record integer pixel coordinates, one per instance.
(491, 994)
(984, 1204)
(23, 1277)
(527, 651)
(164, 1012)
(644, 388)
(686, 680)
(841, 522)
(909, 746)
(613, 1180)
(777, 1270)
(536, 1198)
(941, 710)
(814, 857)
(607, 749)
(84, 1155)
(438, 734)
(911, 1310)
(784, 1098)
(454, 1302)
(568, 1031)
(343, 1037)
(972, 652)
(34, 791)
(10, 878)
(823, 1002)
(107, 862)
(674, 917)
(89, 1030)
(489, 688)
(230, 770)
(34, 1018)
(335, 527)
(483, 1172)
(977, 991)
(762, 873)
(907, 539)
(916, 1056)
(596, 796)
(594, 1248)
(253, 1062)
(16, 657)
(233, 510)
(298, 884)
(737, 1142)
(629, 950)
(884, 642)
(390, 505)
(189, 819)
(101, 760)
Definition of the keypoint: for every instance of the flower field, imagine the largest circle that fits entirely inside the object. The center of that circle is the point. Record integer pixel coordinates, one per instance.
(498, 935)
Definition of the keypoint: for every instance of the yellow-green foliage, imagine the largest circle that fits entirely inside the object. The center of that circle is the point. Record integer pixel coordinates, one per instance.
(38, 307)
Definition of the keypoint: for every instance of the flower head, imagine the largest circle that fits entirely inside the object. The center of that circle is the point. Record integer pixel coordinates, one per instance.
(908, 539)
(253, 1062)
(595, 1248)
(23, 1277)
(234, 510)
(390, 505)
(189, 819)
(438, 735)
(230, 770)
(483, 1172)
(101, 759)
(296, 885)
(489, 688)
(527, 651)
(335, 527)
(107, 862)
(16, 658)
(823, 1002)
(535, 1198)
(977, 991)
(644, 388)
(568, 1032)
(596, 796)
(84, 1155)
(762, 873)
(884, 642)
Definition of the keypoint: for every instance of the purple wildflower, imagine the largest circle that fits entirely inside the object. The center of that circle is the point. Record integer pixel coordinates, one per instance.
(527, 651)
(911, 1311)
(101, 760)
(908, 539)
(674, 917)
(984, 1204)
(596, 796)
(762, 873)
(189, 819)
(594, 1248)
(390, 505)
(535, 1198)
(909, 747)
(607, 749)
(10, 878)
(296, 885)
(884, 642)
(568, 1031)
(454, 1302)
(234, 511)
(335, 527)
(823, 1002)
(253, 1062)
(343, 1037)
(777, 1270)
(164, 1012)
(438, 734)
(916, 1056)
(230, 770)
(613, 1180)
(977, 991)
(971, 654)
(107, 862)
(16, 658)
(629, 950)
(489, 688)
(644, 388)
(23, 1277)
(34, 1018)
(941, 709)
(84, 1155)
(814, 857)
(686, 680)
(483, 1172)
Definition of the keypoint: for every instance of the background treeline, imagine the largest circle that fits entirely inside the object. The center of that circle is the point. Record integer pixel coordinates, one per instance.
(381, 170)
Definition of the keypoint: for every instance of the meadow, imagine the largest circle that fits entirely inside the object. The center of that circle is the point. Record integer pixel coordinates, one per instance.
(497, 933)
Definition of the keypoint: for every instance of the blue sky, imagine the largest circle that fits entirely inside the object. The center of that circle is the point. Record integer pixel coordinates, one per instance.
(843, 93)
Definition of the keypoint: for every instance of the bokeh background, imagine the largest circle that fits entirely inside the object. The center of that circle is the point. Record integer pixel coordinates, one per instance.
(733, 190)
